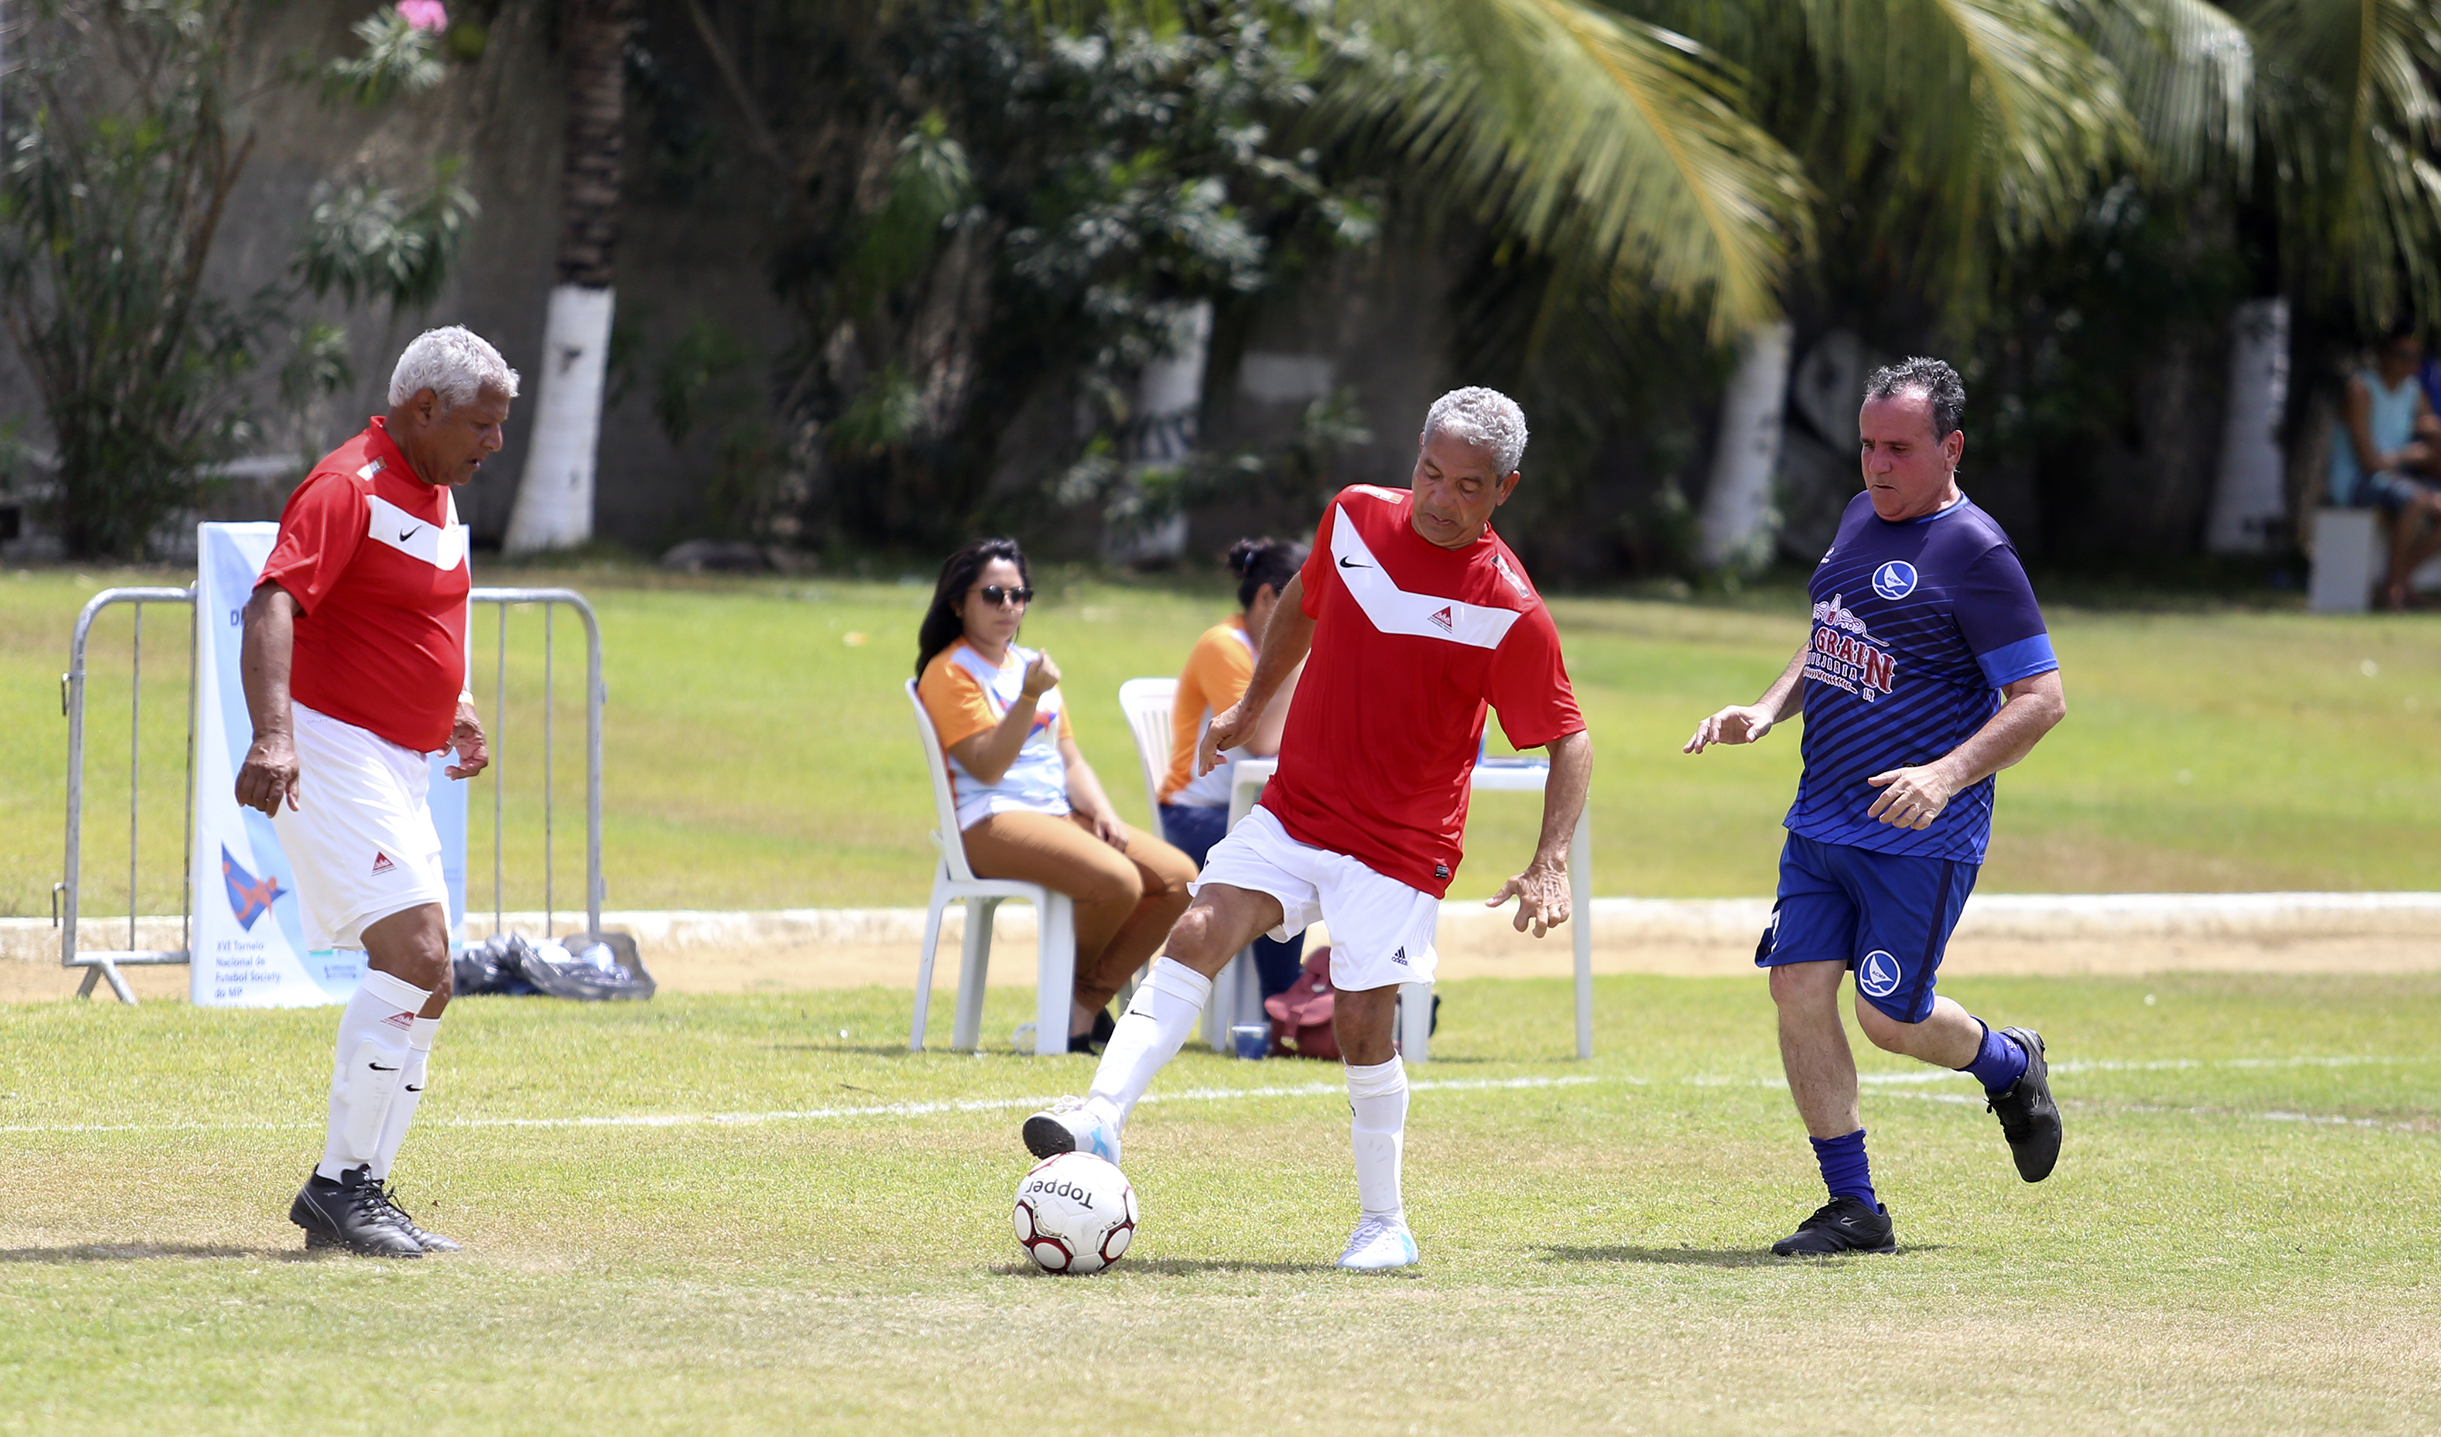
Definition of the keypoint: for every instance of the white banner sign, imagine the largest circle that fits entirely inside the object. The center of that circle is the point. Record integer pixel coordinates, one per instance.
(249, 941)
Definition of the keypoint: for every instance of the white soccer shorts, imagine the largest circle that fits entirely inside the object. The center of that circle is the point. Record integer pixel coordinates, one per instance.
(1381, 929)
(361, 840)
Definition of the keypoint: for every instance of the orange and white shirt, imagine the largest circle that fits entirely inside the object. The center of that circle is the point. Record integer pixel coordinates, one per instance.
(964, 696)
(1218, 669)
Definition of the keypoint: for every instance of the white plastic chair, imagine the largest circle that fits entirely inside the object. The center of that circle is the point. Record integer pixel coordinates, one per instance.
(1147, 702)
(953, 882)
(1237, 995)
(1146, 705)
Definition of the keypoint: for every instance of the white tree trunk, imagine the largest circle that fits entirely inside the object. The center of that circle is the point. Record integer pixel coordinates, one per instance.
(2250, 496)
(555, 498)
(1736, 526)
(1169, 412)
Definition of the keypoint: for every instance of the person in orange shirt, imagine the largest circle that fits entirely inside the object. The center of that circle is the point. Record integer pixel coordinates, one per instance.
(1029, 806)
(1195, 811)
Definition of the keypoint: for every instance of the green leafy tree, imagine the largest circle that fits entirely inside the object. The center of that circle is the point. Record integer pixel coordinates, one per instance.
(128, 131)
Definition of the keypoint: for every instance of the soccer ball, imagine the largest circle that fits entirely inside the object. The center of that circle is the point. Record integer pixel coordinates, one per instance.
(1075, 1213)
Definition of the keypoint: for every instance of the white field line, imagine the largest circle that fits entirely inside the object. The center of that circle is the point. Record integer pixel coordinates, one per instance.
(1896, 1081)
(815, 1115)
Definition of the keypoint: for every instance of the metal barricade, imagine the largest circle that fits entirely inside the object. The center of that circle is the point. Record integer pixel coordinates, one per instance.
(105, 963)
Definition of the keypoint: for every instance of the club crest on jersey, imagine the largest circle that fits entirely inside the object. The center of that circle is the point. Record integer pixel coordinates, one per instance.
(1443, 617)
(1895, 579)
(249, 897)
(1843, 655)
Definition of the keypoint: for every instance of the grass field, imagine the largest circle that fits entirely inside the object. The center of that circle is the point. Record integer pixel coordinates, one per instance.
(759, 1215)
(760, 752)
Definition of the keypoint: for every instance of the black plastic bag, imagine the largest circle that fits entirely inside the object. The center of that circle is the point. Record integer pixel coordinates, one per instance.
(600, 968)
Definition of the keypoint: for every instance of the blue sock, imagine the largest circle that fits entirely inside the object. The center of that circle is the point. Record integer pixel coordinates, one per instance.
(1844, 1168)
(1999, 1064)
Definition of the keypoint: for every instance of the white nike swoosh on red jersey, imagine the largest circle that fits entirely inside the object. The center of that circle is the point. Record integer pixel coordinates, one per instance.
(443, 546)
(1394, 610)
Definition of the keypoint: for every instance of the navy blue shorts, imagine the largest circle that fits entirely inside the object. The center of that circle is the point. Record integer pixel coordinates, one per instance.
(1885, 916)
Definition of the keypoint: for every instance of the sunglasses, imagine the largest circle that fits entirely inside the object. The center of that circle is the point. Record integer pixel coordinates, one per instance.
(995, 595)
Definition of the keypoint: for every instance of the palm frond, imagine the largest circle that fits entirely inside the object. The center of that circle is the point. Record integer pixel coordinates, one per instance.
(2187, 75)
(1949, 131)
(2347, 107)
(1606, 142)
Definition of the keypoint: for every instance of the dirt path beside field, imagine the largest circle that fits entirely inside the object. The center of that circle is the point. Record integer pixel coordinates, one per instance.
(1471, 951)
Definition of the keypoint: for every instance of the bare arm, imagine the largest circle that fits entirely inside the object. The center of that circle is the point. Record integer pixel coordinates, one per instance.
(1274, 723)
(2356, 412)
(1286, 641)
(1745, 723)
(1542, 889)
(1914, 797)
(987, 755)
(1086, 797)
(266, 653)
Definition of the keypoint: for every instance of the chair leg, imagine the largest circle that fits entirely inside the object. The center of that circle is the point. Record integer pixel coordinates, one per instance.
(1054, 973)
(1580, 899)
(1415, 1021)
(1228, 999)
(923, 972)
(967, 1035)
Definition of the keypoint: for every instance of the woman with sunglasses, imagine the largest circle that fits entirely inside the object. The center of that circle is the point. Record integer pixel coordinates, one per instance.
(1029, 805)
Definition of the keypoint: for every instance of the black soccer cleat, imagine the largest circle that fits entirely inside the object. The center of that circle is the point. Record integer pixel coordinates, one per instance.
(1844, 1224)
(2028, 1117)
(352, 1213)
(428, 1241)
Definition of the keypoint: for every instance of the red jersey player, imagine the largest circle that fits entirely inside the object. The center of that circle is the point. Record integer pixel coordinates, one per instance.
(1418, 618)
(355, 670)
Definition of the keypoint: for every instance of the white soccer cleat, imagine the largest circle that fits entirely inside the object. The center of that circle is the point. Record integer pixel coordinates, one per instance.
(1378, 1245)
(1072, 1125)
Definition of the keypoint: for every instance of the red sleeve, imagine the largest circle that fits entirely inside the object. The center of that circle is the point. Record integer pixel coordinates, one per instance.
(1528, 684)
(1318, 561)
(319, 531)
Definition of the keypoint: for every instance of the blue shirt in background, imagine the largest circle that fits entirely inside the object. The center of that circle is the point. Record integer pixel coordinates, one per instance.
(1917, 625)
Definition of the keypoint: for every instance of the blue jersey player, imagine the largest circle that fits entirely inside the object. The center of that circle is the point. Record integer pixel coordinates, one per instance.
(1927, 672)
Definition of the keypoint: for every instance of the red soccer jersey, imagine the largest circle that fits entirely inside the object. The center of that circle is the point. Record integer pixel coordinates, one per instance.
(376, 560)
(1411, 642)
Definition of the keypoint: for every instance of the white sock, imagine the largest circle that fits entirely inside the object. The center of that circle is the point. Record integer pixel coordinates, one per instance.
(410, 1093)
(1377, 1127)
(1150, 1033)
(370, 1058)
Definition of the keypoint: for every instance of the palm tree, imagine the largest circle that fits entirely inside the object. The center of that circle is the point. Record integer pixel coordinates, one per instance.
(554, 507)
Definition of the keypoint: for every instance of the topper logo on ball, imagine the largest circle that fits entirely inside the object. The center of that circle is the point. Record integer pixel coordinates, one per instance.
(1895, 579)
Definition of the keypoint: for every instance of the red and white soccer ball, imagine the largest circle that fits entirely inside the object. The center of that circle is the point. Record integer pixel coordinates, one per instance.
(1075, 1214)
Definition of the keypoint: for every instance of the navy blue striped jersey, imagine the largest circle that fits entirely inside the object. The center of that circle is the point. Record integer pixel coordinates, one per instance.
(1917, 625)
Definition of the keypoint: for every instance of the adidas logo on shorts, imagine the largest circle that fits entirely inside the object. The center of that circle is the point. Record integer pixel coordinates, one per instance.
(381, 863)
(1400, 957)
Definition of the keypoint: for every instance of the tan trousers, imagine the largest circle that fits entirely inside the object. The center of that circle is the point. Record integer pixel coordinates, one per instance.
(1125, 902)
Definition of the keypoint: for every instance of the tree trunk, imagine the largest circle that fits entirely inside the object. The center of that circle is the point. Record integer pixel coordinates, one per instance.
(2250, 501)
(554, 507)
(1168, 421)
(1736, 527)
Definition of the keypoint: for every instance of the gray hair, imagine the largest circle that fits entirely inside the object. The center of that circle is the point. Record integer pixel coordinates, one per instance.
(1481, 416)
(1935, 380)
(455, 363)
